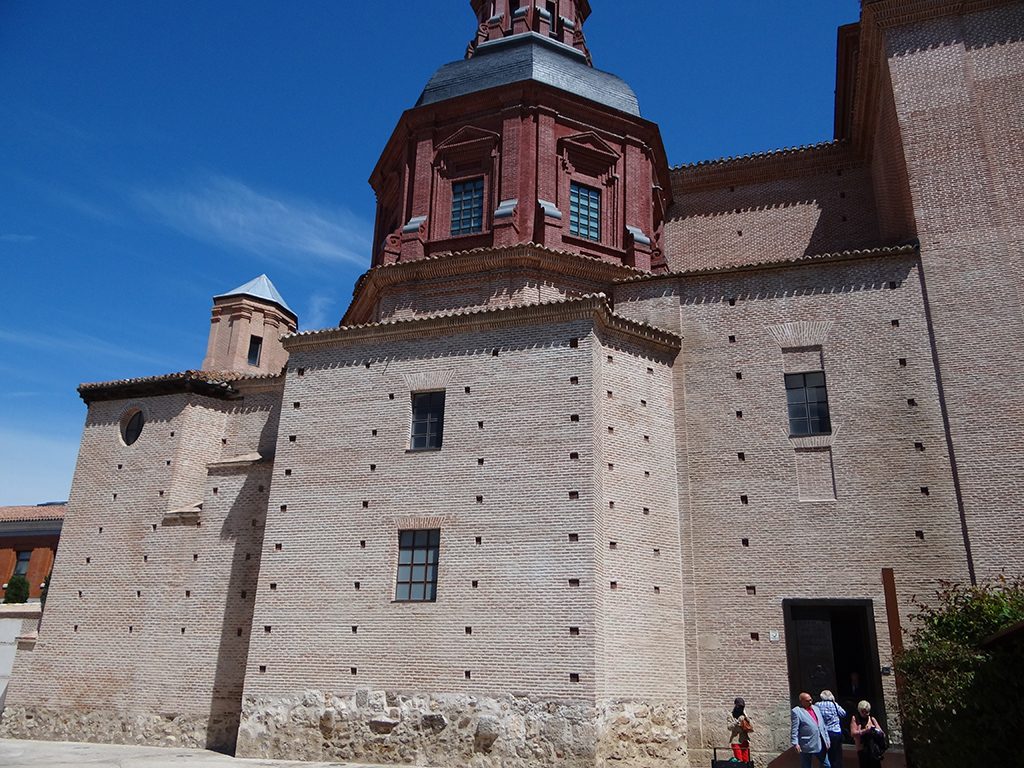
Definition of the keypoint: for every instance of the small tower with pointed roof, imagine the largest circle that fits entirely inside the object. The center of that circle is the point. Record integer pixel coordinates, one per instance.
(246, 329)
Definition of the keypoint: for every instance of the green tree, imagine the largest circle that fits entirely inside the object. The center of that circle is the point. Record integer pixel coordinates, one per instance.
(17, 589)
(957, 686)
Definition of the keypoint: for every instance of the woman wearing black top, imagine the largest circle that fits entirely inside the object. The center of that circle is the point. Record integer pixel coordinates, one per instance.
(866, 730)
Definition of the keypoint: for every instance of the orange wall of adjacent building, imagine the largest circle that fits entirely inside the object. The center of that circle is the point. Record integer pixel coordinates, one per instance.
(43, 548)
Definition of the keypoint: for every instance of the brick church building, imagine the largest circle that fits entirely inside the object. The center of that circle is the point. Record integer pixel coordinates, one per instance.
(599, 444)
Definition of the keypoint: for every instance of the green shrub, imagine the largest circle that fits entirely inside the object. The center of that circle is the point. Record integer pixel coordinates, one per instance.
(17, 590)
(954, 687)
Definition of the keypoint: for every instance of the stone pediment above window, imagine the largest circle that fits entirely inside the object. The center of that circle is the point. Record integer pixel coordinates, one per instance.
(469, 150)
(589, 154)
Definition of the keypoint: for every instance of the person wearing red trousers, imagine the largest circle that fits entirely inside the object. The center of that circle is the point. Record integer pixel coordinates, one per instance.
(739, 730)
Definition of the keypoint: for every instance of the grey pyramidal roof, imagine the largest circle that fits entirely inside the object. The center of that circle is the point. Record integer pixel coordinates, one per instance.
(259, 288)
(529, 56)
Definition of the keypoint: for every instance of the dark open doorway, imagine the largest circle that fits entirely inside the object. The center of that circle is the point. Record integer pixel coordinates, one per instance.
(831, 644)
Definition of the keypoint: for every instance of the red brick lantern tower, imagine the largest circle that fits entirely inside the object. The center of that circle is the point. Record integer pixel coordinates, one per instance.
(523, 141)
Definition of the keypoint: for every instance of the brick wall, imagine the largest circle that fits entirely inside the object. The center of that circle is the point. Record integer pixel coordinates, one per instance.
(796, 548)
(958, 90)
(637, 539)
(500, 288)
(334, 519)
(770, 208)
(146, 628)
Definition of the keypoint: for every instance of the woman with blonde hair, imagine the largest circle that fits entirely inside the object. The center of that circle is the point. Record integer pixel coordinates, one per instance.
(869, 737)
(833, 715)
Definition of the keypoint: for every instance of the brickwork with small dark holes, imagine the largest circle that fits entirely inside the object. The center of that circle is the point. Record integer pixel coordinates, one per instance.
(524, 416)
(619, 526)
(783, 215)
(764, 517)
(957, 83)
(148, 612)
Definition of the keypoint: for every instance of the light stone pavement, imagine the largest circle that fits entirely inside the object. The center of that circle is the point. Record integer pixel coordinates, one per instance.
(17, 753)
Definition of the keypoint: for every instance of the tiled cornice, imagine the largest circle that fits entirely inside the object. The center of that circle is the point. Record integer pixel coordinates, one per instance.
(894, 13)
(594, 306)
(865, 253)
(528, 256)
(811, 159)
(220, 384)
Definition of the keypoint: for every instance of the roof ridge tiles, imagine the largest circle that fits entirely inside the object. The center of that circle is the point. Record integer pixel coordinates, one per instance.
(778, 152)
(23, 513)
(598, 301)
(445, 314)
(492, 248)
(855, 253)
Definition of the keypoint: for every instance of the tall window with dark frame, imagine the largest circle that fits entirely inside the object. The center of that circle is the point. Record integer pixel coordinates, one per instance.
(255, 348)
(133, 428)
(807, 400)
(584, 211)
(427, 421)
(417, 565)
(21, 566)
(467, 207)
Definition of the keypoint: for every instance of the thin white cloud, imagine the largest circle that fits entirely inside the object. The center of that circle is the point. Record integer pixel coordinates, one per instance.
(225, 211)
(321, 307)
(81, 344)
(10, 237)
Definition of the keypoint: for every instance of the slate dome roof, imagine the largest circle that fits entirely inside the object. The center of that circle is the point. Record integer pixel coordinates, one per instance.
(259, 288)
(529, 56)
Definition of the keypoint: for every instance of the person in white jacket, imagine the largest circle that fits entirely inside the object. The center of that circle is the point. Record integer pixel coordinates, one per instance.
(808, 732)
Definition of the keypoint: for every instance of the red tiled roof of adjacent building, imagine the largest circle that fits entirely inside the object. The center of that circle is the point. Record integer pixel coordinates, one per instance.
(213, 383)
(21, 514)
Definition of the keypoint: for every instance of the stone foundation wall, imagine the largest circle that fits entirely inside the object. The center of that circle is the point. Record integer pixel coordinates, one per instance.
(104, 726)
(462, 730)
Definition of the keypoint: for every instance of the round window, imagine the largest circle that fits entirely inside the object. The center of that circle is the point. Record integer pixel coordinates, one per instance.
(131, 427)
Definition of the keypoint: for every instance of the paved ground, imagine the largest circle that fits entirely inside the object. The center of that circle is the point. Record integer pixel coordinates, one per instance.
(15, 753)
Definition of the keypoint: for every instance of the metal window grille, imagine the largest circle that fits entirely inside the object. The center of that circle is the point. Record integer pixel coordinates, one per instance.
(255, 347)
(417, 565)
(807, 400)
(467, 207)
(584, 211)
(427, 420)
(21, 567)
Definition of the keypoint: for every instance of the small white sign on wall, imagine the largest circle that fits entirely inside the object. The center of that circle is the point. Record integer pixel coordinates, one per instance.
(773, 635)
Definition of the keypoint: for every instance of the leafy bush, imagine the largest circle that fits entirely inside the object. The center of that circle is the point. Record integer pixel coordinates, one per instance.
(954, 686)
(17, 590)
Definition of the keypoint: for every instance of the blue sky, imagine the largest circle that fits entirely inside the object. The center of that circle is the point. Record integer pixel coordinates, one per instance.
(155, 153)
